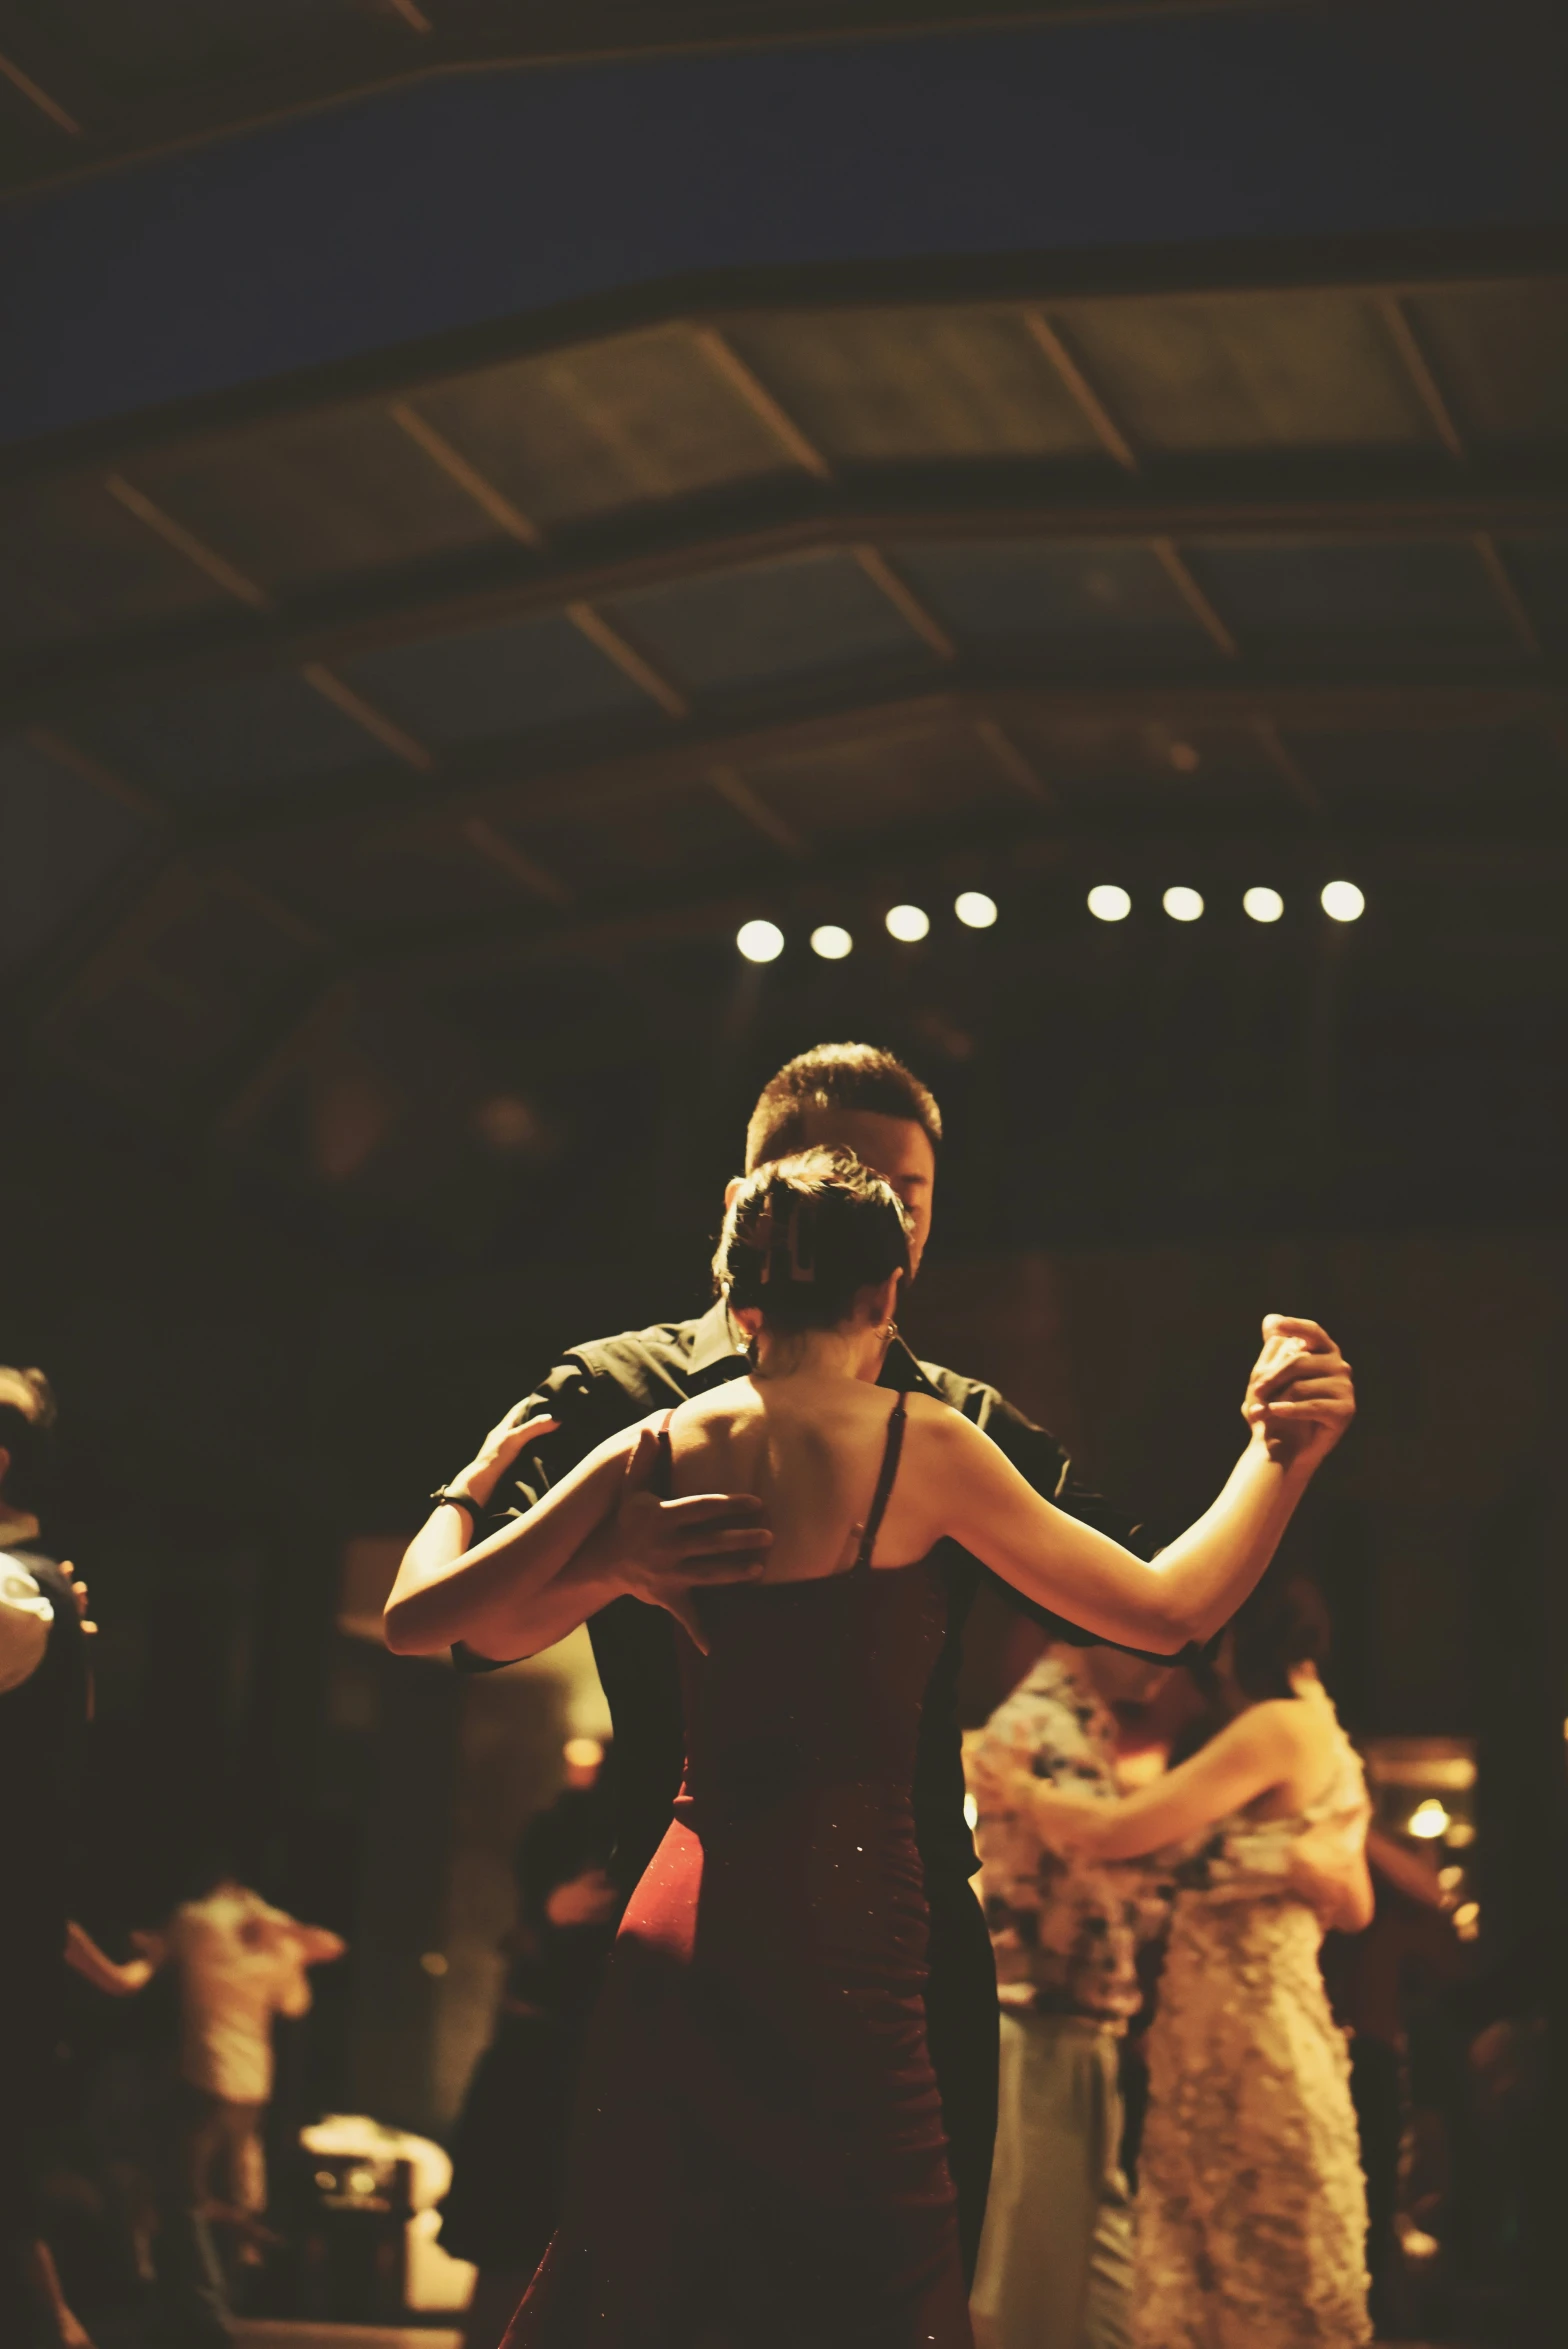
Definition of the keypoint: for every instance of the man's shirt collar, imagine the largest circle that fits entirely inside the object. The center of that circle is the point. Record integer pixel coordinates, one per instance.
(714, 1341)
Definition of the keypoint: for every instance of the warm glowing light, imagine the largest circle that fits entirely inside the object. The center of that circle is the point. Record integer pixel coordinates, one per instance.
(831, 942)
(434, 1963)
(760, 941)
(1263, 905)
(971, 1812)
(974, 909)
(908, 923)
(1429, 1820)
(1342, 901)
(1183, 905)
(1107, 903)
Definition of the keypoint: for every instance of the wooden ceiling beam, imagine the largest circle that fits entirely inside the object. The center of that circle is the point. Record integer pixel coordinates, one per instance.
(504, 584)
(503, 785)
(1398, 266)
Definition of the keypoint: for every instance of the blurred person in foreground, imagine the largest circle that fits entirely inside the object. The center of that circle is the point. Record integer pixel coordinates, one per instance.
(45, 1708)
(644, 1570)
(509, 2146)
(1055, 2269)
(759, 2152)
(1251, 2217)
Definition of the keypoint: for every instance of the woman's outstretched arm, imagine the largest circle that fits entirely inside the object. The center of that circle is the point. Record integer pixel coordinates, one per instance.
(1197, 1583)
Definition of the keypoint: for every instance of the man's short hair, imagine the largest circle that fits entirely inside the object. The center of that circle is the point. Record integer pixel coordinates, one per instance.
(27, 1417)
(835, 1076)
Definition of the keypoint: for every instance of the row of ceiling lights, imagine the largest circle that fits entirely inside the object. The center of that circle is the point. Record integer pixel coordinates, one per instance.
(763, 941)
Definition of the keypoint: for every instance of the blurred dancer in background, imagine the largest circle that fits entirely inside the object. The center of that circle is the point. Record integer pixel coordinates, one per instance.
(1055, 2266)
(1251, 2221)
(509, 2149)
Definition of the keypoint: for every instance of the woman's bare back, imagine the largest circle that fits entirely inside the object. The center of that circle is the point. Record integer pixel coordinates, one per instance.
(812, 1448)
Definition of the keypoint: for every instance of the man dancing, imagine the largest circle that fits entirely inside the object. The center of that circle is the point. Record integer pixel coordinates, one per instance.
(631, 1579)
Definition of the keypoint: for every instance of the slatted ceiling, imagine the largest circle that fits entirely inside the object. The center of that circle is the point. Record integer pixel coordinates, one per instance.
(522, 677)
(897, 385)
(931, 776)
(1538, 568)
(814, 616)
(1103, 599)
(74, 563)
(1500, 353)
(1289, 371)
(604, 425)
(1287, 596)
(684, 831)
(244, 739)
(1162, 772)
(1415, 772)
(60, 841)
(312, 498)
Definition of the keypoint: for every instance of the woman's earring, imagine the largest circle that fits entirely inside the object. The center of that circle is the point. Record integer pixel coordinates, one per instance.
(889, 1331)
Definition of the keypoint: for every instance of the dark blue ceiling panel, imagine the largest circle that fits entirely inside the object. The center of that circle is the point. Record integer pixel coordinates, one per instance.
(238, 740)
(60, 840)
(773, 623)
(1102, 599)
(519, 678)
(470, 198)
(1434, 592)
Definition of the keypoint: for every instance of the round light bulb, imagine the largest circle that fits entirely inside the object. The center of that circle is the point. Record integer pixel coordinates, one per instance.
(1429, 1820)
(974, 909)
(1263, 905)
(1183, 905)
(831, 942)
(1107, 903)
(760, 941)
(1342, 901)
(908, 923)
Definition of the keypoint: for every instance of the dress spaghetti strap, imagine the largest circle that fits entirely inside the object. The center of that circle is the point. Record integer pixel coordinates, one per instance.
(663, 1480)
(890, 1458)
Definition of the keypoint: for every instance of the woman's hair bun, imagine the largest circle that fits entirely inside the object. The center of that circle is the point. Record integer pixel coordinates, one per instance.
(803, 1236)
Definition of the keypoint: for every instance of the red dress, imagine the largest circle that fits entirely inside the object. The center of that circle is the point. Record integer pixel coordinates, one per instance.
(758, 2159)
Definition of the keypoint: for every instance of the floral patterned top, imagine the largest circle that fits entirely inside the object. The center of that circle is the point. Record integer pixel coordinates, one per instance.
(1066, 1932)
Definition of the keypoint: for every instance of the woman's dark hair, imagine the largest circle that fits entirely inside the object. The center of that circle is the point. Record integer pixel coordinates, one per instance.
(835, 1076)
(1283, 1624)
(803, 1236)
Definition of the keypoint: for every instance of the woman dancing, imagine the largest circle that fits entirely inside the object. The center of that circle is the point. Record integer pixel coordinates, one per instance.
(1251, 2216)
(758, 2159)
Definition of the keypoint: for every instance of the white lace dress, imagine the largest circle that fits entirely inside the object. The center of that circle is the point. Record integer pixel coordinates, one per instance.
(1251, 2215)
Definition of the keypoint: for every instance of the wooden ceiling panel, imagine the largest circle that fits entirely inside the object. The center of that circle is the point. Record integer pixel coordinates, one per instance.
(900, 385)
(1102, 601)
(1286, 371)
(1538, 568)
(1292, 597)
(1163, 773)
(817, 616)
(606, 425)
(1501, 355)
(74, 562)
(928, 776)
(515, 679)
(312, 498)
(60, 840)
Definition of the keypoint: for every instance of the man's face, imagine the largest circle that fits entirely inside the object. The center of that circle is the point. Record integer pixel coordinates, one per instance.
(893, 1147)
